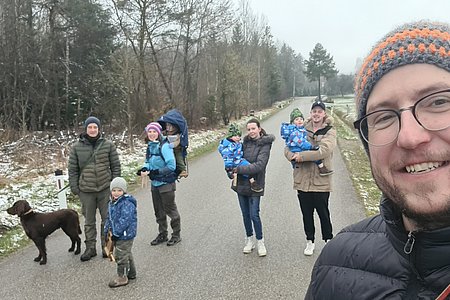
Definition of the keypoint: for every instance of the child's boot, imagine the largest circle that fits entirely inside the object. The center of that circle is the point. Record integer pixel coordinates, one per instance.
(255, 187)
(118, 281)
(323, 171)
(183, 173)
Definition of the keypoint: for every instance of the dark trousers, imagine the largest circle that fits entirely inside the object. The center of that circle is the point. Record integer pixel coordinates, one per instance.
(310, 201)
(164, 205)
(124, 258)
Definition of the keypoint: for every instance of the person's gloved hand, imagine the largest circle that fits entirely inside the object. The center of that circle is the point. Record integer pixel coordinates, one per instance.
(143, 169)
(114, 238)
(153, 173)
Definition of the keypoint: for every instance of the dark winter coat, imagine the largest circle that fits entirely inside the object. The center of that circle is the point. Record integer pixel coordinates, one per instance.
(257, 153)
(375, 259)
(122, 218)
(92, 175)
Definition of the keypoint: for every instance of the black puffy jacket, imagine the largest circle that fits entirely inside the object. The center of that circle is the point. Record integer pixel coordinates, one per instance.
(370, 260)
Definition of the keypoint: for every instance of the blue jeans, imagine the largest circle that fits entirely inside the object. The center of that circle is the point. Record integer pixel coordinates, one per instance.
(250, 214)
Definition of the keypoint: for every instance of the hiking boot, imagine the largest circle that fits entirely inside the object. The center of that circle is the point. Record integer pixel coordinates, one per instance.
(88, 254)
(118, 281)
(309, 250)
(325, 172)
(161, 238)
(261, 248)
(249, 245)
(173, 240)
(183, 174)
(255, 187)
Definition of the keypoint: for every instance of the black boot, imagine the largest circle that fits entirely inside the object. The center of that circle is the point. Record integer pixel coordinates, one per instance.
(88, 254)
(161, 238)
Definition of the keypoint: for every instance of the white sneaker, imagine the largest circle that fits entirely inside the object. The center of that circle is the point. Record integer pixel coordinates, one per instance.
(249, 244)
(309, 248)
(261, 248)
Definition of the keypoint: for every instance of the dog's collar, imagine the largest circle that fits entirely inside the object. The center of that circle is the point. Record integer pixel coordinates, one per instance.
(28, 212)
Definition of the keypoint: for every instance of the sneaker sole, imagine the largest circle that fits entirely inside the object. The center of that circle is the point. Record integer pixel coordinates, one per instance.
(248, 251)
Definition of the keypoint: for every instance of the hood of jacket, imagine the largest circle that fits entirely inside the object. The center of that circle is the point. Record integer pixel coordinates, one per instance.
(263, 140)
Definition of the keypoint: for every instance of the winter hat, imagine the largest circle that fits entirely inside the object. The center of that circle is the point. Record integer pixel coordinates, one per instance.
(421, 42)
(120, 183)
(318, 103)
(295, 113)
(91, 120)
(155, 126)
(233, 130)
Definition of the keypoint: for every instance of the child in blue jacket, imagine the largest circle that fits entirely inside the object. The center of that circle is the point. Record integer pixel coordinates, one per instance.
(230, 148)
(122, 223)
(296, 138)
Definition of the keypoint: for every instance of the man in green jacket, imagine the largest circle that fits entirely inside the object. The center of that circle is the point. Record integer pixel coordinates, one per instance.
(93, 163)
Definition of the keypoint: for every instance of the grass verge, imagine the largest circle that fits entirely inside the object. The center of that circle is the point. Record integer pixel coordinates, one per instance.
(357, 163)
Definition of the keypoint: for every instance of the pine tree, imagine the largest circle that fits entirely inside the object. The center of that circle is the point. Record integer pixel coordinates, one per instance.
(320, 64)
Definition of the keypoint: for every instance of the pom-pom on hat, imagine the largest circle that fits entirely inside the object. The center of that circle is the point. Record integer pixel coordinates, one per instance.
(91, 120)
(233, 130)
(120, 183)
(155, 126)
(295, 113)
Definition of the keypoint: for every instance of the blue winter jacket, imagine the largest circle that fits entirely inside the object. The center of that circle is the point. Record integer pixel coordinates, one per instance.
(296, 137)
(231, 153)
(161, 159)
(122, 218)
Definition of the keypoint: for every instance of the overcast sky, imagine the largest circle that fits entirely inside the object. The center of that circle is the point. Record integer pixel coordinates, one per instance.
(347, 29)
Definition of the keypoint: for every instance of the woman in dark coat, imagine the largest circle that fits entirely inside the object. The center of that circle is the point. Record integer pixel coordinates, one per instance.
(257, 144)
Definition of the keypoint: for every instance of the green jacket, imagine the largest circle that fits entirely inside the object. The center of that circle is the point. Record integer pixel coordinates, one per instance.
(306, 173)
(94, 174)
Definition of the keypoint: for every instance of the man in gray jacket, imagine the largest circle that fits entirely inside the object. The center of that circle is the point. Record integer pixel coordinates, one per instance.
(93, 163)
(403, 105)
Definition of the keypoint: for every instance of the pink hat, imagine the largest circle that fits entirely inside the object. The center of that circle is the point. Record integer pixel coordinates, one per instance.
(155, 126)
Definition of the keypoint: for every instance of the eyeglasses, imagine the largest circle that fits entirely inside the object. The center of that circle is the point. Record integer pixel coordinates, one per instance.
(381, 127)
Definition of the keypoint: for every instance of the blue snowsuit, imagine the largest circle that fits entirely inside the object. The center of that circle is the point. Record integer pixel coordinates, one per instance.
(232, 154)
(296, 137)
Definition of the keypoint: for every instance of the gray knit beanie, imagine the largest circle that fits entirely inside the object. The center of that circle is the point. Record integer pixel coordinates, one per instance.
(422, 42)
(91, 120)
(120, 183)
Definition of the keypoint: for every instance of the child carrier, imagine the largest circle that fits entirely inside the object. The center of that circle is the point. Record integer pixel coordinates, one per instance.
(175, 117)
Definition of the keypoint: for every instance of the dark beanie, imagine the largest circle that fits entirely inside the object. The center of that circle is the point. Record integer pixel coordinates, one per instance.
(91, 120)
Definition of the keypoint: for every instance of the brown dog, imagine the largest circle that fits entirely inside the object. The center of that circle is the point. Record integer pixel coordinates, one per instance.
(38, 226)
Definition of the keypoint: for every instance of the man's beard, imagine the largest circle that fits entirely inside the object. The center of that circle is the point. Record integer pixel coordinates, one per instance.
(424, 221)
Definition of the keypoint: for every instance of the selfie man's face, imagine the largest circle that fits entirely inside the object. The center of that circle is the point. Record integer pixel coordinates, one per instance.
(402, 169)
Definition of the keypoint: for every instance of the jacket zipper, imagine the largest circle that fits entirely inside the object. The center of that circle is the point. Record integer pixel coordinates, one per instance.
(409, 245)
